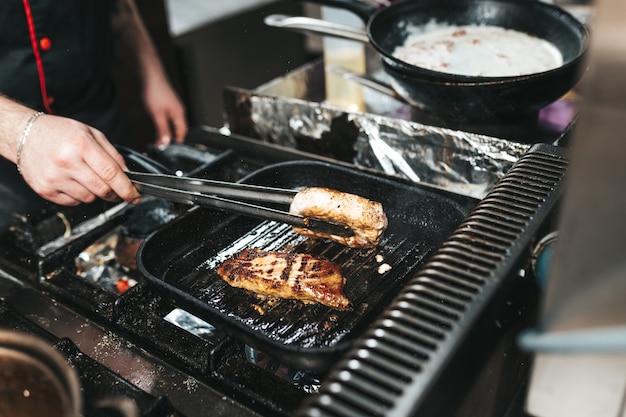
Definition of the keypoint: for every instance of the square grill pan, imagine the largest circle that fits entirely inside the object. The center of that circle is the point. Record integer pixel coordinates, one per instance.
(180, 260)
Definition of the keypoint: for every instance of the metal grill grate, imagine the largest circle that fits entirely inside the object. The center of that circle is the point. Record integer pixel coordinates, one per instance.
(389, 370)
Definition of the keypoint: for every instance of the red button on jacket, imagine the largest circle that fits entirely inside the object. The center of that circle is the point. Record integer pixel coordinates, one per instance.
(45, 43)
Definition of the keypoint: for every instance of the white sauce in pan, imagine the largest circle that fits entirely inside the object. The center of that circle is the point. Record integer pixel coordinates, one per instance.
(473, 50)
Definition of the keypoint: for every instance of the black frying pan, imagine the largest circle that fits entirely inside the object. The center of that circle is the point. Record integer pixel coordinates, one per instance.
(470, 98)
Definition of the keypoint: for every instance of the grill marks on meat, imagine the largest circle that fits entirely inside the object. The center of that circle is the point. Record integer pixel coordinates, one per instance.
(286, 275)
(366, 218)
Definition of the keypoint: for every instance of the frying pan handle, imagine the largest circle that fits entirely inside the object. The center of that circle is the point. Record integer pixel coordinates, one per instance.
(358, 7)
(316, 26)
(366, 81)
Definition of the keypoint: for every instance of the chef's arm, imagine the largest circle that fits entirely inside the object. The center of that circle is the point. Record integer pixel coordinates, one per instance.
(136, 48)
(61, 159)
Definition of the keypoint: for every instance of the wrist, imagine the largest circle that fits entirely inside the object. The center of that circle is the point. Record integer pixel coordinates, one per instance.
(24, 137)
(14, 118)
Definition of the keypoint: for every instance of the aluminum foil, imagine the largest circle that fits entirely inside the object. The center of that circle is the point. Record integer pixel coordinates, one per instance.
(458, 161)
(290, 111)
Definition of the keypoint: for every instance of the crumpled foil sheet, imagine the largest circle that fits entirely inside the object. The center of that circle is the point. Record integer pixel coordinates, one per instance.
(462, 162)
(289, 112)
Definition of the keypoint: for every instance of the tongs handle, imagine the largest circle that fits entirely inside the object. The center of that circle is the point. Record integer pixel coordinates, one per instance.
(205, 192)
(215, 187)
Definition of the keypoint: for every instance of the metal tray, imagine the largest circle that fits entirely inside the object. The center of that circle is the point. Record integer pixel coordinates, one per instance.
(180, 259)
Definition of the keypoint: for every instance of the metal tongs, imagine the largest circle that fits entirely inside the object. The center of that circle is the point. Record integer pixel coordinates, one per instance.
(224, 196)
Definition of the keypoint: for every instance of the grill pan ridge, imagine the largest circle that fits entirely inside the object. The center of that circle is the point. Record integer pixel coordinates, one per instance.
(401, 355)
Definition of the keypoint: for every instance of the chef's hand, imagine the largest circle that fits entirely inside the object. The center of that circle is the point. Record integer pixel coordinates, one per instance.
(68, 162)
(166, 110)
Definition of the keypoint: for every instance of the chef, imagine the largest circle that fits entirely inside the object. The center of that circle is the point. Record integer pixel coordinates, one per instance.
(58, 107)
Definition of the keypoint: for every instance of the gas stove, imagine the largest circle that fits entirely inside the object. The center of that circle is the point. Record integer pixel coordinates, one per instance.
(126, 338)
(442, 343)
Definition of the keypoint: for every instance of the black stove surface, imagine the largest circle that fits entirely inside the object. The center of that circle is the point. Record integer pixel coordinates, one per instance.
(107, 362)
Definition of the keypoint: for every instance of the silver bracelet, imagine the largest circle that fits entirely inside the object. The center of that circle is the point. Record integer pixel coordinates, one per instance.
(25, 132)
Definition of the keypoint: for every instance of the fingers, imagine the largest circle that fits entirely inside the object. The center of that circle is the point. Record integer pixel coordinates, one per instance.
(99, 182)
(170, 127)
(106, 177)
(109, 148)
(110, 180)
(180, 126)
(70, 194)
(161, 123)
(94, 177)
(167, 113)
(64, 200)
(68, 162)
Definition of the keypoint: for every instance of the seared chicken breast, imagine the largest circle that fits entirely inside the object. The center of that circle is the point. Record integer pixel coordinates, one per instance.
(366, 218)
(286, 275)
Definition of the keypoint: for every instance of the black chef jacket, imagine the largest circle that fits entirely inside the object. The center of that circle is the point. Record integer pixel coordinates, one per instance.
(55, 56)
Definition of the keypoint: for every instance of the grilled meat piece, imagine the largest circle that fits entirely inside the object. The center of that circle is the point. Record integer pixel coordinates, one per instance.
(286, 275)
(366, 218)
